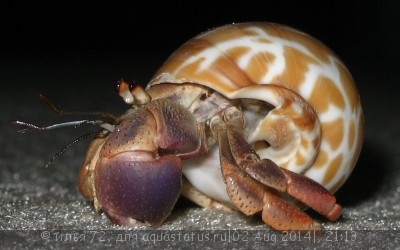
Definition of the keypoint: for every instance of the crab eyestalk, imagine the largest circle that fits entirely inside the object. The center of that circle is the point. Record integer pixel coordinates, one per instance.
(132, 95)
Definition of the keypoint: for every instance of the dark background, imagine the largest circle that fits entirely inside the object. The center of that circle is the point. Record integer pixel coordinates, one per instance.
(76, 52)
(57, 44)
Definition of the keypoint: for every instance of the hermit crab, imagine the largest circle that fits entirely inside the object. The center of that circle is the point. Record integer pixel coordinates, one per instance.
(255, 117)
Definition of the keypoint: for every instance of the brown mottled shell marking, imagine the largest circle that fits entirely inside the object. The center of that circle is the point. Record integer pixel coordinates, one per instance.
(295, 73)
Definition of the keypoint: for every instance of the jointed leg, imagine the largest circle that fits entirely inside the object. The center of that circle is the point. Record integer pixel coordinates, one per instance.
(250, 181)
(190, 192)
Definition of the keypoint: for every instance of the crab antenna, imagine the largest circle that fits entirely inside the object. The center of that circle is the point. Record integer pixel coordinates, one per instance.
(62, 151)
(53, 106)
(29, 126)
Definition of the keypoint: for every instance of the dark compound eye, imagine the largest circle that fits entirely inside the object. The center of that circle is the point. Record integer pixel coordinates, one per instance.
(131, 86)
(120, 84)
(125, 85)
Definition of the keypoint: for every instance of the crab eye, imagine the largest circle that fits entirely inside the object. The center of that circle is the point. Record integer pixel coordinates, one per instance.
(122, 85)
(131, 87)
(124, 90)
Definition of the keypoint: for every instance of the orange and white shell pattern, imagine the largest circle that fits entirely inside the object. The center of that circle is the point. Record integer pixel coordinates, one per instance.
(294, 73)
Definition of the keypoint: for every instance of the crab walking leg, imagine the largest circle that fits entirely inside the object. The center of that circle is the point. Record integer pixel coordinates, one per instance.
(284, 216)
(251, 196)
(190, 192)
(267, 172)
(313, 194)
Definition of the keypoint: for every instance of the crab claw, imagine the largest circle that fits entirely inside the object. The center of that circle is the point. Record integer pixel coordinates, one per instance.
(145, 191)
(134, 172)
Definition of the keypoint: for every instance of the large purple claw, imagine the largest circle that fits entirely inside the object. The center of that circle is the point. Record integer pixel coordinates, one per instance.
(145, 190)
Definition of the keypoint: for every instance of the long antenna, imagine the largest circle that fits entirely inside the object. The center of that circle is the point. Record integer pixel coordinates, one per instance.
(62, 151)
(30, 126)
(53, 106)
(107, 122)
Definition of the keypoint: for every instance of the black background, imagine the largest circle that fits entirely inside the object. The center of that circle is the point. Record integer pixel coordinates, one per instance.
(76, 52)
(131, 40)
